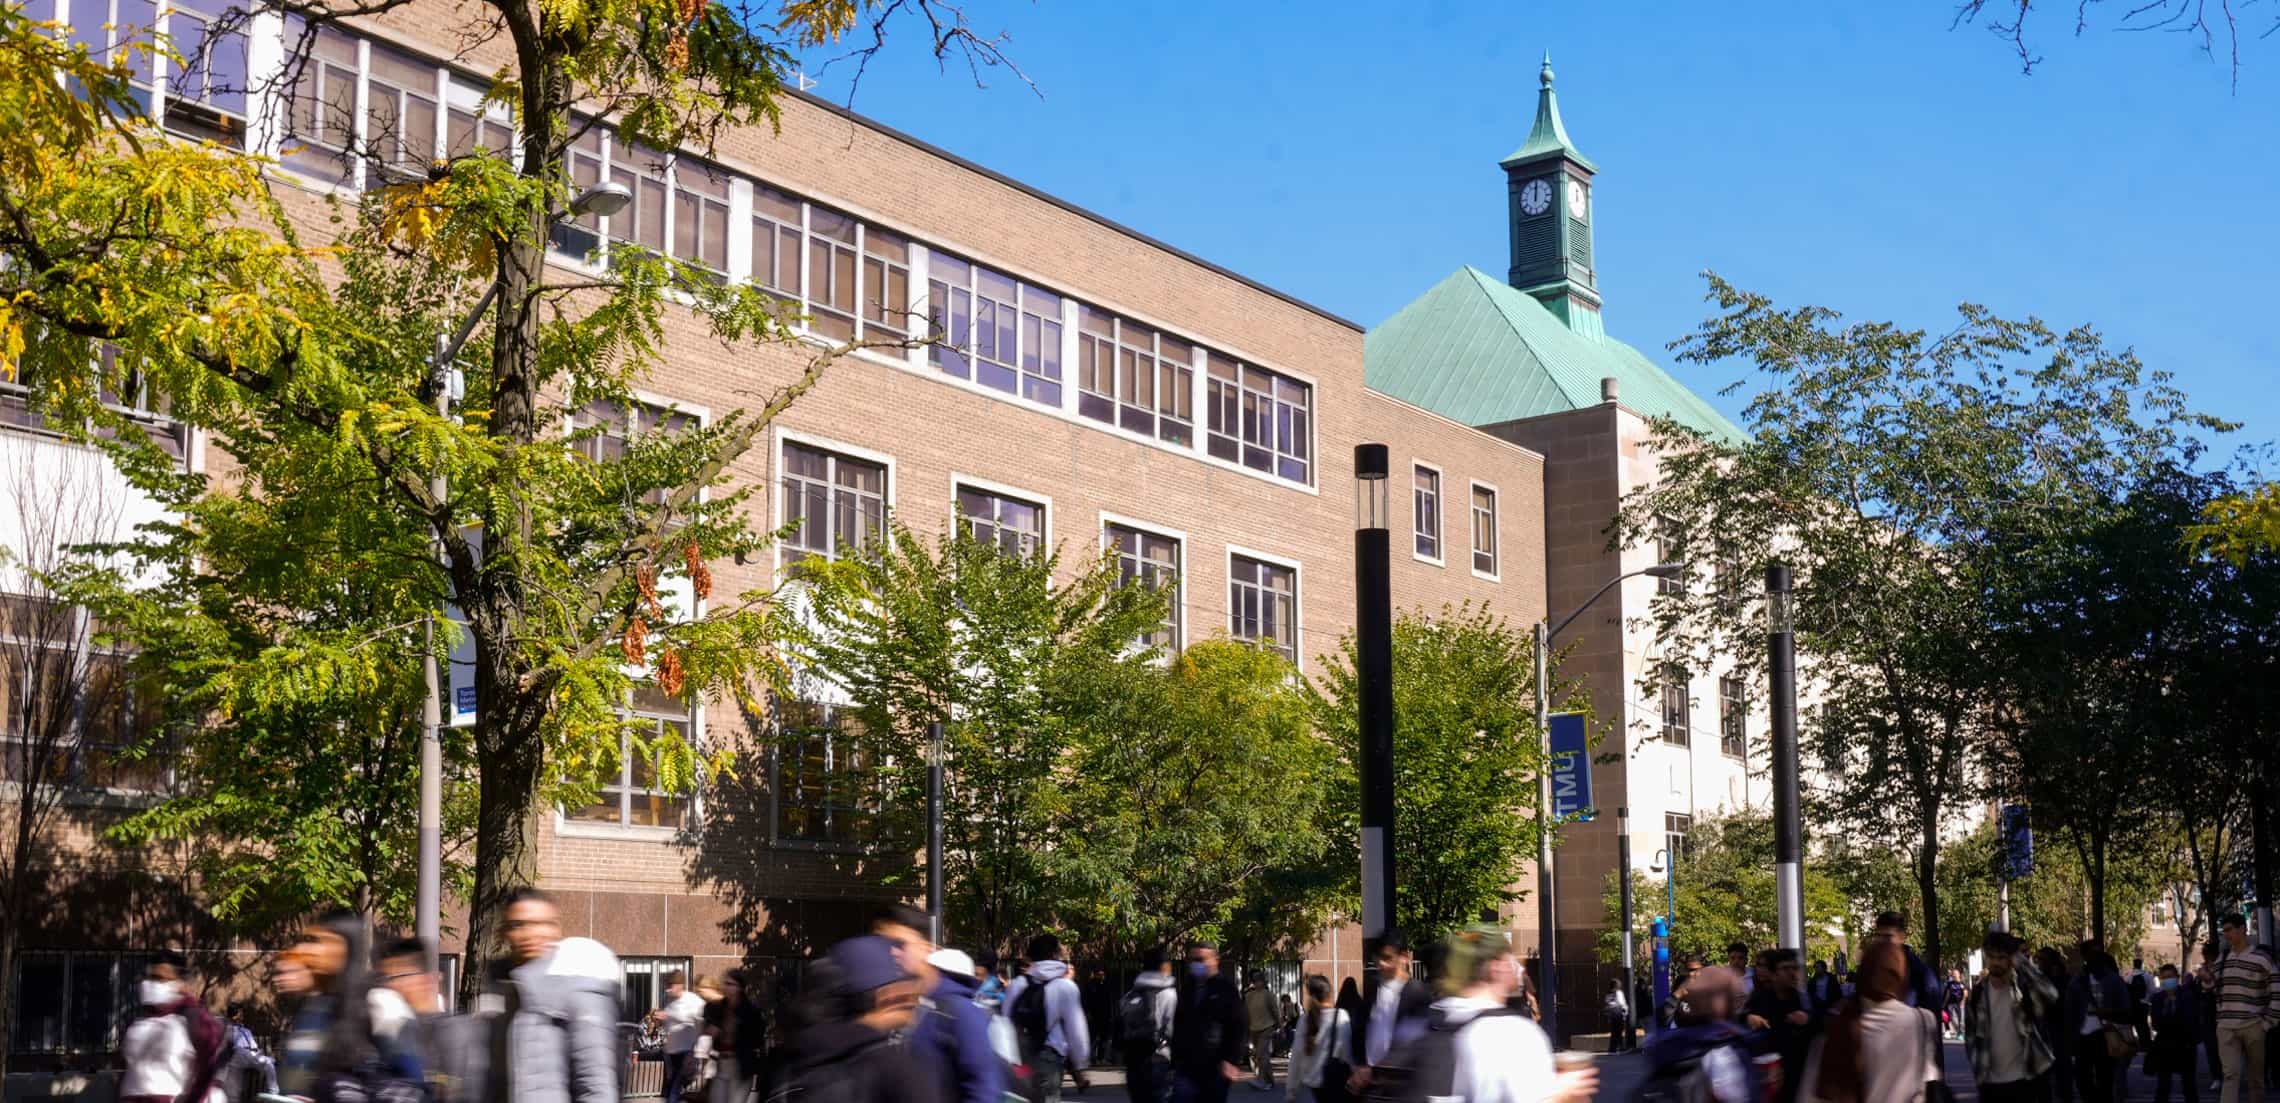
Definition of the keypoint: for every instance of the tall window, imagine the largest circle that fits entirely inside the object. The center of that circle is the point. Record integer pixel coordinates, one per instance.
(1733, 717)
(1261, 419)
(831, 291)
(1016, 526)
(1132, 375)
(205, 86)
(605, 429)
(1484, 529)
(776, 241)
(402, 113)
(1153, 561)
(839, 503)
(1727, 575)
(1676, 710)
(1426, 495)
(69, 713)
(1263, 603)
(823, 791)
(1675, 827)
(700, 214)
(1666, 551)
(321, 122)
(886, 283)
(994, 329)
(629, 790)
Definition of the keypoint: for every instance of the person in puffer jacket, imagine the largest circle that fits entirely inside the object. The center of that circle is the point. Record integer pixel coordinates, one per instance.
(551, 1014)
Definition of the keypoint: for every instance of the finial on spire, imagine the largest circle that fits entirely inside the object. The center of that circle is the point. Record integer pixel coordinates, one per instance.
(1546, 73)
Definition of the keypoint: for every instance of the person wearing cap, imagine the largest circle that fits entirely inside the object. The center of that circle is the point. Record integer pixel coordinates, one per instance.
(855, 1044)
(1500, 1057)
(951, 1032)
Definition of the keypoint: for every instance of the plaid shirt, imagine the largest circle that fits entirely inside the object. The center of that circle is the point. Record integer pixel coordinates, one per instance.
(2033, 1000)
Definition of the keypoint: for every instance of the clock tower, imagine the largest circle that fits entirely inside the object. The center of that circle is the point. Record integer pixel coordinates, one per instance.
(1549, 184)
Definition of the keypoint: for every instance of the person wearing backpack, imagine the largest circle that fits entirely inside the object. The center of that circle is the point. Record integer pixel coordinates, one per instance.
(1048, 1014)
(175, 1050)
(1207, 1031)
(1144, 1017)
(1474, 1047)
(1704, 1057)
(951, 1032)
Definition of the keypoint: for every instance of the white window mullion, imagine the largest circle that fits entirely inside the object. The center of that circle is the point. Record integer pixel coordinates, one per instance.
(1199, 386)
(357, 140)
(267, 97)
(859, 322)
(921, 288)
(807, 213)
(1069, 356)
(739, 244)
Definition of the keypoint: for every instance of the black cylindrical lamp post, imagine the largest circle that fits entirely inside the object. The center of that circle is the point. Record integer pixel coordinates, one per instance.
(1788, 818)
(1623, 873)
(1373, 654)
(934, 831)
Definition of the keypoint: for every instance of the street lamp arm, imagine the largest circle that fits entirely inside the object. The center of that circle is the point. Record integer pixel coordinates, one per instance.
(446, 353)
(1611, 584)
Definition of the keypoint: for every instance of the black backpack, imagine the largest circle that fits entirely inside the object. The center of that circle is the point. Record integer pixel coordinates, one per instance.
(1029, 1020)
(1424, 1067)
(1683, 1082)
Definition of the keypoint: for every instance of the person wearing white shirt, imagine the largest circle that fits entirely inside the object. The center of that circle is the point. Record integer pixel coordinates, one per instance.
(1395, 1011)
(1500, 1057)
(684, 1019)
(1317, 1054)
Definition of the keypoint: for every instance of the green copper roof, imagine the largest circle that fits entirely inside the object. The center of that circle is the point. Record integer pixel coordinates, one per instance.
(1549, 135)
(1475, 349)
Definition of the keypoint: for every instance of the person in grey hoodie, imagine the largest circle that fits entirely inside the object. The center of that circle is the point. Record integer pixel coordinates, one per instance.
(1052, 1029)
(552, 1012)
(1144, 1029)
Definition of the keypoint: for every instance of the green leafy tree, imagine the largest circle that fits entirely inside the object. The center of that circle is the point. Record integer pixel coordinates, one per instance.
(1019, 665)
(1466, 756)
(177, 256)
(1725, 891)
(1201, 797)
(1881, 463)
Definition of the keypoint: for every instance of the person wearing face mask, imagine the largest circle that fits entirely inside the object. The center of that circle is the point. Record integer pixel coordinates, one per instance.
(2175, 1014)
(176, 1049)
(1208, 1029)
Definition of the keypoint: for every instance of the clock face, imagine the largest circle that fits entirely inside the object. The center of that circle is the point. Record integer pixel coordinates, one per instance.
(1535, 197)
(1579, 199)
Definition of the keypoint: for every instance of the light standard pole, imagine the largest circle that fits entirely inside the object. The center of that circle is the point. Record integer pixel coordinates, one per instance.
(605, 200)
(1623, 874)
(1547, 935)
(1373, 661)
(934, 833)
(1788, 820)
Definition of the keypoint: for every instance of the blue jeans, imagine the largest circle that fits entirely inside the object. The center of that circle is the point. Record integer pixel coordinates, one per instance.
(1045, 1072)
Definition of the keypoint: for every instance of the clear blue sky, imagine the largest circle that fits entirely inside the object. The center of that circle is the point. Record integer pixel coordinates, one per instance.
(1861, 156)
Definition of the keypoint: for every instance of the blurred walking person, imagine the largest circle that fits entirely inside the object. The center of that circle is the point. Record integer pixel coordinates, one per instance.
(1261, 1017)
(2246, 990)
(1780, 1009)
(1145, 1018)
(1048, 1015)
(2099, 1023)
(1207, 1031)
(853, 1044)
(2175, 1016)
(551, 1012)
(1879, 1049)
(1318, 1066)
(2003, 1025)
(1616, 1012)
(683, 1017)
(175, 1051)
(737, 1036)
(949, 1032)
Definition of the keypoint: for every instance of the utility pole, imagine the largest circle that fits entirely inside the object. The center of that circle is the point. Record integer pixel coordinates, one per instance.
(1373, 655)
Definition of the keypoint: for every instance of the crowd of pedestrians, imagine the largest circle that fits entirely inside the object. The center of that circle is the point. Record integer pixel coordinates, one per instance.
(889, 1015)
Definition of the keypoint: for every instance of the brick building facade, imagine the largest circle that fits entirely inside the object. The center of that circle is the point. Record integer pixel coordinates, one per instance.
(1100, 388)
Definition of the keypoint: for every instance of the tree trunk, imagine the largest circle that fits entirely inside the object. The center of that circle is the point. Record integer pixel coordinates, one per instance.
(2095, 871)
(507, 815)
(9, 936)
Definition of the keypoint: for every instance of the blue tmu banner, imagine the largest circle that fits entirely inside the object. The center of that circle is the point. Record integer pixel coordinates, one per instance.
(2018, 843)
(1571, 767)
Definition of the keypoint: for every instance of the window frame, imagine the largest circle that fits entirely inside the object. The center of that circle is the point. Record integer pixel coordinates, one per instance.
(1297, 599)
(1048, 385)
(1044, 503)
(1239, 406)
(1422, 498)
(1671, 678)
(125, 969)
(85, 757)
(1495, 571)
(655, 967)
(1734, 718)
(838, 450)
(568, 823)
(1666, 546)
(777, 837)
(1180, 588)
(1677, 827)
